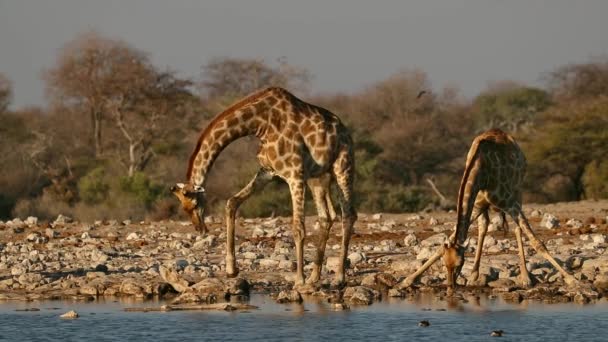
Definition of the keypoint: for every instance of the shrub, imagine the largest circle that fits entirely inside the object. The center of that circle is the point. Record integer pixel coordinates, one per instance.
(93, 188)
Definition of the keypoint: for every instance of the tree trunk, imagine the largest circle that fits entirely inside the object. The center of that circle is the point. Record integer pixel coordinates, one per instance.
(96, 120)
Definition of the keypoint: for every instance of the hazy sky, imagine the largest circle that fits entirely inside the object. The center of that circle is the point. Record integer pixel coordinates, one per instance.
(346, 44)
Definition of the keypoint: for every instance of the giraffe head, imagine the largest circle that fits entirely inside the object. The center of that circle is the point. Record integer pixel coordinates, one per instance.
(192, 198)
(453, 257)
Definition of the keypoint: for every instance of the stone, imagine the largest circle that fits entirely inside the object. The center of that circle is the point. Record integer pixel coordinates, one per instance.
(291, 296)
(29, 278)
(332, 264)
(133, 236)
(50, 233)
(355, 258)
(536, 213)
(601, 282)
(269, 263)
(377, 217)
(190, 297)
(250, 255)
(405, 266)
(425, 253)
(257, 232)
(435, 240)
(209, 286)
(410, 240)
(18, 270)
(549, 221)
(287, 265)
(395, 293)
(574, 223)
(339, 306)
(128, 286)
(433, 221)
(62, 220)
(503, 285)
(70, 315)
(360, 295)
(171, 277)
(237, 287)
(31, 221)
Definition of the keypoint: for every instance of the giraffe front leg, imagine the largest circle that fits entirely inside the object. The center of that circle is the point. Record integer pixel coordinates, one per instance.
(298, 227)
(258, 182)
(482, 227)
(524, 276)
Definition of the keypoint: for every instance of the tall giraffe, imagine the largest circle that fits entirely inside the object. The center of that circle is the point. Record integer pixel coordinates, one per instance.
(492, 179)
(299, 143)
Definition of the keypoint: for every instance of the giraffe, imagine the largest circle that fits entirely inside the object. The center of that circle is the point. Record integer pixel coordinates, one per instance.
(300, 143)
(492, 179)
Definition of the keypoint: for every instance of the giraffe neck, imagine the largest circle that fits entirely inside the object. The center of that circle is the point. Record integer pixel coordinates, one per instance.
(247, 117)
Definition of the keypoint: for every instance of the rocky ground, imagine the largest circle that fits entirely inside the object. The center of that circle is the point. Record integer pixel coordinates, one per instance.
(40, 260)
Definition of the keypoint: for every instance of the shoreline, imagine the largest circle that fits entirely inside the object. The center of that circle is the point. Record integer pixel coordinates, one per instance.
(167, 259)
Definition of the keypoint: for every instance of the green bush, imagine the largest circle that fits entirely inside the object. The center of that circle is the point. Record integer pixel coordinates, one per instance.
(595, 180)
(93, 188)
(141, 188)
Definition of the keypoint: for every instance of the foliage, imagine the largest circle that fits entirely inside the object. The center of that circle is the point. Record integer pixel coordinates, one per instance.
(93, 188)
(595, 179)
(56, 160)
(141, 188)
(509, 108)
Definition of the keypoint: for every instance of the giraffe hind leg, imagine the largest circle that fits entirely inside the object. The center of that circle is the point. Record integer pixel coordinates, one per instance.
(320, 192)
(344, 170)
(539, 246)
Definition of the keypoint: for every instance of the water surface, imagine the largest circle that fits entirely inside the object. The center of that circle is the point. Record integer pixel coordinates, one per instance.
(391, 320)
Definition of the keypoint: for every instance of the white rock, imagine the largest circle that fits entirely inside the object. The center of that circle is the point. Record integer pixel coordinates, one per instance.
(598, 238)
(31, 221)
(61, 219)
(269, 263)
(433, 221)
(574, 223)
(70, 315)
(257, 232)
(549, 221)
(435, 240)
(250, 255)
(355, 258)
(377, 217)
(410, 240)
(333, 264)
(133, 236)
(425, 253)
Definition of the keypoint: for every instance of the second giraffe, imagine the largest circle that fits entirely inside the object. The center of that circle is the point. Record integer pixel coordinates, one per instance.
(493, 177)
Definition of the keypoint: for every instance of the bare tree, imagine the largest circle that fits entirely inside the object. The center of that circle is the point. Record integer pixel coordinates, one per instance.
(90, 71)
(578, 81)
(141, 115)
(236, 77)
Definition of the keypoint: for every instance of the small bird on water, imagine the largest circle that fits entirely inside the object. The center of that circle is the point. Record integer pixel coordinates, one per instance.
(424, 323)
(496, 333)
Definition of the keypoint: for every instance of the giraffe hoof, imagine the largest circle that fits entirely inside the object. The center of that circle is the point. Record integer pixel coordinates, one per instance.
(526, 282)
(305, 288)
(232, 274)
(570, 281)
